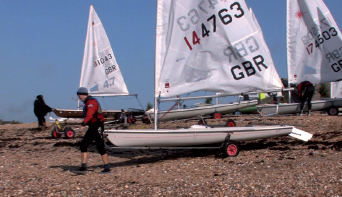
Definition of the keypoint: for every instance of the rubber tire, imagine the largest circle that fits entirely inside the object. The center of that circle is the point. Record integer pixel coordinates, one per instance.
(231, 149)
(131, 120)
(55, 134)
(237, 113)
(202, 122)
(217, 115)
(333, 111)
(69, 132)
(230, 123)
(145, 119)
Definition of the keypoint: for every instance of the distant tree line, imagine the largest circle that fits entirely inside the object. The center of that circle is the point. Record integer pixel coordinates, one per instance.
(9, 122)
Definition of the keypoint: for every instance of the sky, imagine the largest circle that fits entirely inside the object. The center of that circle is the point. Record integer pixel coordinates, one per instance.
(42, 45)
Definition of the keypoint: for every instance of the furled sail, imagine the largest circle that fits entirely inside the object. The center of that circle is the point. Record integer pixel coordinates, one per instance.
(213, 46)
(314, 43)
(100, 72)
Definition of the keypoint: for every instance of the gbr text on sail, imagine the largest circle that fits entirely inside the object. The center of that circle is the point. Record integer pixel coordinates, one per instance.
(243, 51)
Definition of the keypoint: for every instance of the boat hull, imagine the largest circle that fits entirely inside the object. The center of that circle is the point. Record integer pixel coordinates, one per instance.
(292, 108)
(69, 113)
(192, 136)
(249, 110)
(205, 110)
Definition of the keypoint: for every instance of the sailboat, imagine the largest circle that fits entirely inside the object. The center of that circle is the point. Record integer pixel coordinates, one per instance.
(336, 90)
(100, 73)
(313, 49)
(207, 46)
(336, 94)
(215, 110)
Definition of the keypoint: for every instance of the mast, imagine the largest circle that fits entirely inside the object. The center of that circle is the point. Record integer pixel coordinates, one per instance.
(287, 52)
(84, 58)
(157, 61)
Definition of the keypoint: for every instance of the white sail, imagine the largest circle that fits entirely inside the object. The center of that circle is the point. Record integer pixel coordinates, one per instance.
(210, 45)
(336, 89)
(100, 72)
(313, 43)
(254, 18)
(280, 93)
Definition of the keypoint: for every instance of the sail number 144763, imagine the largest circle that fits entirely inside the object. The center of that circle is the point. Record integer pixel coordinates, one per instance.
(222, 14)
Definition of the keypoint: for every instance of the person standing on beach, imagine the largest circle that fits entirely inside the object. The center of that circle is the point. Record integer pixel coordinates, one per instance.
(40, 109)
(94, 119)
(306, 90)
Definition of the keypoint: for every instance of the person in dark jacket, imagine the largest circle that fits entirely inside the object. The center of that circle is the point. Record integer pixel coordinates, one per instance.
(94, 119)
(306, 90)
(40, 110)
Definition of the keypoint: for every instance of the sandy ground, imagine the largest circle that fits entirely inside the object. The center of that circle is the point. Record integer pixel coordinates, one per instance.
(34, 164)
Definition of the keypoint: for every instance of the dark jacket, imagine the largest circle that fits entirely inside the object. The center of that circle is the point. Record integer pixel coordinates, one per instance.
(40, 108)
(92, 112)
(302, 87)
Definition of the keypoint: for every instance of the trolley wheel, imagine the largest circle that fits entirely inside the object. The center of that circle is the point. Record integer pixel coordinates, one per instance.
(231, 149)
(55, 133)
(69, 132)
(237, 113)
(217, 115)
(131, 120)
(145, 119)
(230, 123)
(333, 111)
(202, 122)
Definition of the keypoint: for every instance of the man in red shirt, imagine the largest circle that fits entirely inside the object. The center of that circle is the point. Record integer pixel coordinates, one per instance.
(94, 119)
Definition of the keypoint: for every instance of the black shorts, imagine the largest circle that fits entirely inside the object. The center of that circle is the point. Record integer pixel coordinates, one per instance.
(91, 135)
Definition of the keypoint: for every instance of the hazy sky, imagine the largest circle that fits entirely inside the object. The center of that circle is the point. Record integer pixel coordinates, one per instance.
(42, 44)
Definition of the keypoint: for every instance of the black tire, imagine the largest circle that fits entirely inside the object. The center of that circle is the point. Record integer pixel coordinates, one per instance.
(69, 132)
(230, 123)
(237, 113)
(202, 122)
(55, 134)
(333, 111)
(145, 119)
(231, 149)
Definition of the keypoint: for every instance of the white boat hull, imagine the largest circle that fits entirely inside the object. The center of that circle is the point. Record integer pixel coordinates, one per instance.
(292, 108)
(191, 136)
(205, 110)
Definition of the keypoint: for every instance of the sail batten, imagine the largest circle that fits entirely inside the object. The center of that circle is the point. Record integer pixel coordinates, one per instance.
(100, 71)
(211, 46)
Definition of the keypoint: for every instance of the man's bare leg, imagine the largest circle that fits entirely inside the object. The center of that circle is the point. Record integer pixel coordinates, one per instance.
(105, 158)
(84, 157)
